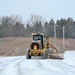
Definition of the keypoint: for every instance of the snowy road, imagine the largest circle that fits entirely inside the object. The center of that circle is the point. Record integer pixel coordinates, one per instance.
(38, 66)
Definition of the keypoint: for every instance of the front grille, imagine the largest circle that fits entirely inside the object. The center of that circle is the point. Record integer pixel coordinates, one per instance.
(34, 44)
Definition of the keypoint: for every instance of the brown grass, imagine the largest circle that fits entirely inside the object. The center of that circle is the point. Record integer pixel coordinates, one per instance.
(17, 45)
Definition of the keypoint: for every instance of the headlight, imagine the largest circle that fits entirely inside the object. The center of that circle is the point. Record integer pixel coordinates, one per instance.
(35, 47)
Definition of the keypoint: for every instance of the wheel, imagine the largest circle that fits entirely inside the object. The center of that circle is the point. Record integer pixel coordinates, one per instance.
(45, 55)
(27, 54)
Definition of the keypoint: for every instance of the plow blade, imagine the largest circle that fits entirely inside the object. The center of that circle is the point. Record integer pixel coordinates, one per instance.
(57, 55)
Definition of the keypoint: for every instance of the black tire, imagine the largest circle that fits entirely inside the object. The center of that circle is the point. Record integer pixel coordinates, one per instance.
(44, 55)
(27, 54)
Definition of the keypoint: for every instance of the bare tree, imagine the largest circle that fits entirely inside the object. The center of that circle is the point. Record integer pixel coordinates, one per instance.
(7, 23)
(36, 18)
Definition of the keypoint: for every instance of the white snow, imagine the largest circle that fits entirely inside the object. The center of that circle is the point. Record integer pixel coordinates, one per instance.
(69, 58)
(19, 65)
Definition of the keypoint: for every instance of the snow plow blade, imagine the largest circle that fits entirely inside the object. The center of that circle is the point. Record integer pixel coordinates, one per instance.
(57, 55)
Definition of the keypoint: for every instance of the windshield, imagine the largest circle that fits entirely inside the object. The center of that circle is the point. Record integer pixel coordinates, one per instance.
(37, 37)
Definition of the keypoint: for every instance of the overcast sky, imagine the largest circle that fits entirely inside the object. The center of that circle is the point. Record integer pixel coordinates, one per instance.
(48, 9)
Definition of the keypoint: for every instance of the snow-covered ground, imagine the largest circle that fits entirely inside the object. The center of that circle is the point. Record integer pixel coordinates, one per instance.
(37, 66)
(69, 58)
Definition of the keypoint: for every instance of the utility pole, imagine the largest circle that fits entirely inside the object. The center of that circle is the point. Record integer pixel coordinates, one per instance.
(55, 35)
(63, 37)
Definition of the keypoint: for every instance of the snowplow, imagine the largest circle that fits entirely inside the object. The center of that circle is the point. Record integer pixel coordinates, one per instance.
(40, 46)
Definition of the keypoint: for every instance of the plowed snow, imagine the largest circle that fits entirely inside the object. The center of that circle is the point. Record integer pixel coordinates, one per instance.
(38, 66)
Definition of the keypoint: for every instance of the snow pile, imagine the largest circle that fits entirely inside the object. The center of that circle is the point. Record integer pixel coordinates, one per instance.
(69, 58)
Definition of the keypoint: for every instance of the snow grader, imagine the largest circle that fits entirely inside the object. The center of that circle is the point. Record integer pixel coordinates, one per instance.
(40, 46)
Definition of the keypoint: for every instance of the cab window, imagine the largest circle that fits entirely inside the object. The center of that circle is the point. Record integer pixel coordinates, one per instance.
(36, 37)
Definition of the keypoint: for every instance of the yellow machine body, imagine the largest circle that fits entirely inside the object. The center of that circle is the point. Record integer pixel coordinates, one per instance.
(42, 47)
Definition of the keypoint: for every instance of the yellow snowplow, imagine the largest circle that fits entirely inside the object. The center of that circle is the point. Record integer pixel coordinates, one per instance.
(40, 46)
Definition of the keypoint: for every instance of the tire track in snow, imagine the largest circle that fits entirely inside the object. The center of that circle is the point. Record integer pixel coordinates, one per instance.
(4, 61)
(12, 67)
(37, 67)
(19, 70)
(42, 65)
(64, 67)
(51, 68)
(23, 66)
(33, 68)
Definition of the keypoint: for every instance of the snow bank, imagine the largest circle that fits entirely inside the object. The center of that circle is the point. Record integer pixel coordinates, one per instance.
(69, 58)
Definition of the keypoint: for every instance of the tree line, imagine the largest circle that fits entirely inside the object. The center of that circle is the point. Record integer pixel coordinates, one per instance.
(12, 26)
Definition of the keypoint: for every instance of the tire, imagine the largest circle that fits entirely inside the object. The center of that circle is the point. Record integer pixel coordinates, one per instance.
(27, 54)
(44, 55)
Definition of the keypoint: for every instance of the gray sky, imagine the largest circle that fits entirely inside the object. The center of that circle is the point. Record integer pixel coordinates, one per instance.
(48, 9)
